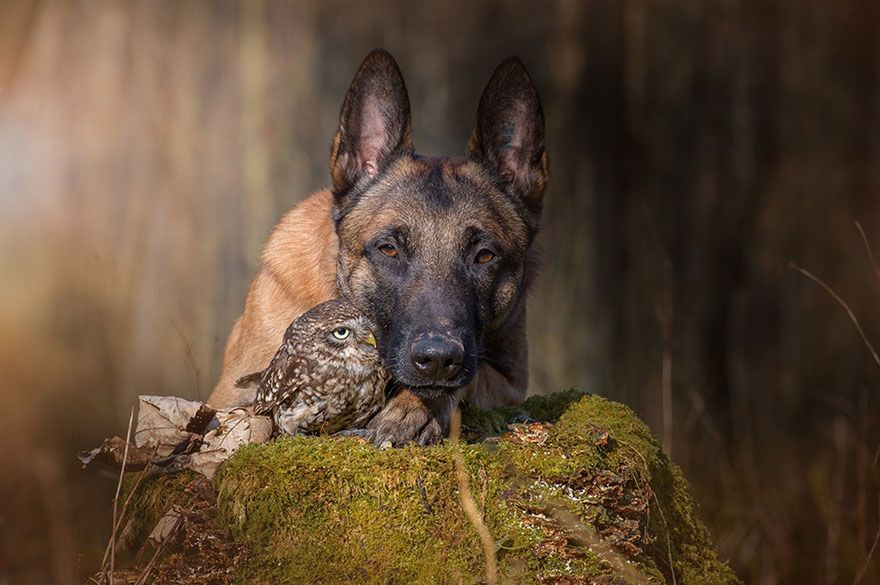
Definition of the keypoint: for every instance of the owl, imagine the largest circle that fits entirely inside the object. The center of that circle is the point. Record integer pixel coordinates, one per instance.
(327, 375)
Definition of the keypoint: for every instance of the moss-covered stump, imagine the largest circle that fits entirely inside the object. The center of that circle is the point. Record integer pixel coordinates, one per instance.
(591, 498)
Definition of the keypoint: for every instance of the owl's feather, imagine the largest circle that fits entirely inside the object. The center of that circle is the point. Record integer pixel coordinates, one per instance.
(315, 381)
(280, 380)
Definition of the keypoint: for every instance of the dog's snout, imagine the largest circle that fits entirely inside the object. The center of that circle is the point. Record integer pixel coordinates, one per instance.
(437, 357)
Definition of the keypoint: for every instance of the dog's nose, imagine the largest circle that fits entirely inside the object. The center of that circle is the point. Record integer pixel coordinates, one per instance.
(437, 357)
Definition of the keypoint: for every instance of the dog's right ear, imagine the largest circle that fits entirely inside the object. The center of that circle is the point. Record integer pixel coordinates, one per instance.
(374, 125)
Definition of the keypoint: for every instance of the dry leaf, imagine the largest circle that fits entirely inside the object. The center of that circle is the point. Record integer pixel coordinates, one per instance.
(112, 452)
(162, 422)
(237, 427)
(167, 525)
(175, 434)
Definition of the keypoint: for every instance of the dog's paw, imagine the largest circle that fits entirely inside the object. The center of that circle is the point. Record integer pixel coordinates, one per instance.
(407, 418)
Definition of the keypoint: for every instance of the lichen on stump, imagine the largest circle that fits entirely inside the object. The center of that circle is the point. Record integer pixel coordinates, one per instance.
(590, 498)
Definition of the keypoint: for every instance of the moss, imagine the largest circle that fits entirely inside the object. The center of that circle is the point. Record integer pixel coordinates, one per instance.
(325, 510)
(478, 423)
(155, 496)
(554, 497)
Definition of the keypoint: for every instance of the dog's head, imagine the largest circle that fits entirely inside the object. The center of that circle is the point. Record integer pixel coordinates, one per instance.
(435, 250)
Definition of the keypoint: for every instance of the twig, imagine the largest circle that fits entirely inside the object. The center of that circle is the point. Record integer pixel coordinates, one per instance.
(666, 317)
(467, 501)
(424, 496)
(659, 510)
(868, 248)
(149, 568)
(118, 521)
(871, 552)
(842, 303)
(604, 550)
(197, 372)
(112, 543)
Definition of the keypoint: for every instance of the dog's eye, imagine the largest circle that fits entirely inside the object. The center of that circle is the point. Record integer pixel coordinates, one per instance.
(341, 332)
(484, 256)
(389, 250)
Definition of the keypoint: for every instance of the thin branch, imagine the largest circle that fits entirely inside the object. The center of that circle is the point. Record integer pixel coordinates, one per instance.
(627, 570)
(467, 501)
(842, 303)
(868, 248)
(197, 372)
(178, 523)
(659, 510)
(112, 543)
(666, 318)
(871, 552)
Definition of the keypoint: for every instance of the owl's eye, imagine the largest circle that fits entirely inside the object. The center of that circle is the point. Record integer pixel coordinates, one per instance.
(341, 332)
(484, 256)
(389, 250)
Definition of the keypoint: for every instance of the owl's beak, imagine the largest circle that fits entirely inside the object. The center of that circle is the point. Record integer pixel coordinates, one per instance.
(370, 340)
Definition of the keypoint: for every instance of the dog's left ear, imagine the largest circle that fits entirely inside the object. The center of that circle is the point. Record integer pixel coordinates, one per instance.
(508, 139)
(374, 124)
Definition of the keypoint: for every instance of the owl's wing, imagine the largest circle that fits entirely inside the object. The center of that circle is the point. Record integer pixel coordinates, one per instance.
(250, 380)
(284, 376)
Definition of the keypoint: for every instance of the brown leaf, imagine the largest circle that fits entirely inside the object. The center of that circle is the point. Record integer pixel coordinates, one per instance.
(162, 422)
(112, 452)
(237, 427)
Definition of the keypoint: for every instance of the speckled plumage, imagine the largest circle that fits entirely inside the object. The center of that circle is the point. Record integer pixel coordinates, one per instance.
(318, 380)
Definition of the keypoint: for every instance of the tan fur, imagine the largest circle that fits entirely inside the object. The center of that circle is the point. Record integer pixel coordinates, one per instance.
(297, 273)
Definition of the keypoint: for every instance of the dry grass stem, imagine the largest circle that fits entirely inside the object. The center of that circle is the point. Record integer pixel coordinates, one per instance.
(659, 511)
(111, 546)
(191, 358)
(629, 572)
(871, 552)
(468, 504)
(142, 580)
(874, 264)
(842, 303)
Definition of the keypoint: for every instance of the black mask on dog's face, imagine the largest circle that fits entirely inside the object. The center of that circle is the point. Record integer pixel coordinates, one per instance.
(434, 249)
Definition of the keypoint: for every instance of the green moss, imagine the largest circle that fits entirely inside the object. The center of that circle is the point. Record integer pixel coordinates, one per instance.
(553, 498)
(478, 423)
(326, 510)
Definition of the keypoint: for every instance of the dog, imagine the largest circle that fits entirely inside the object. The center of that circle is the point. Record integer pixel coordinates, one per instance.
(437, 251)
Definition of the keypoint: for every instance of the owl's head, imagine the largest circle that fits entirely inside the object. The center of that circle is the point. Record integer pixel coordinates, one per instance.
(335, 330)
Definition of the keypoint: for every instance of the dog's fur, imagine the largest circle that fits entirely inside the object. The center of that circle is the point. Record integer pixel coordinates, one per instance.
(427, 247)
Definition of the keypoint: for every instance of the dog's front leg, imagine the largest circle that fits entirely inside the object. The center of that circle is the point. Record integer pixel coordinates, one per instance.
(414, 418)
(491, 389)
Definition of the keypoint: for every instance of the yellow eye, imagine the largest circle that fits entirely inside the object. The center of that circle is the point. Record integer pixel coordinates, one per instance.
(484, 256)
(388, 250)
(341, 333)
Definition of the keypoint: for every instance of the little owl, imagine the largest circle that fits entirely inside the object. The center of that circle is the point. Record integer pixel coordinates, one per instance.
(327, 375)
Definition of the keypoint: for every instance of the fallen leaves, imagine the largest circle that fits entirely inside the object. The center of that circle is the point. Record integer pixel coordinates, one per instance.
(235, 428)
(174, 434)
(534, 433)
(111, 452)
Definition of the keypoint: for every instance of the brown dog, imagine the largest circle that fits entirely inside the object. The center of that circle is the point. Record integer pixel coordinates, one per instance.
(437, 251)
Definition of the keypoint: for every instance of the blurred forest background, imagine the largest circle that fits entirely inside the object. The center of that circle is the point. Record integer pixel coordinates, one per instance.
(697, 147)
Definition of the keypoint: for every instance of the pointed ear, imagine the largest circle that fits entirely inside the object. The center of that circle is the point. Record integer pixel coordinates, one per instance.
(509, 137)
(374, 125)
